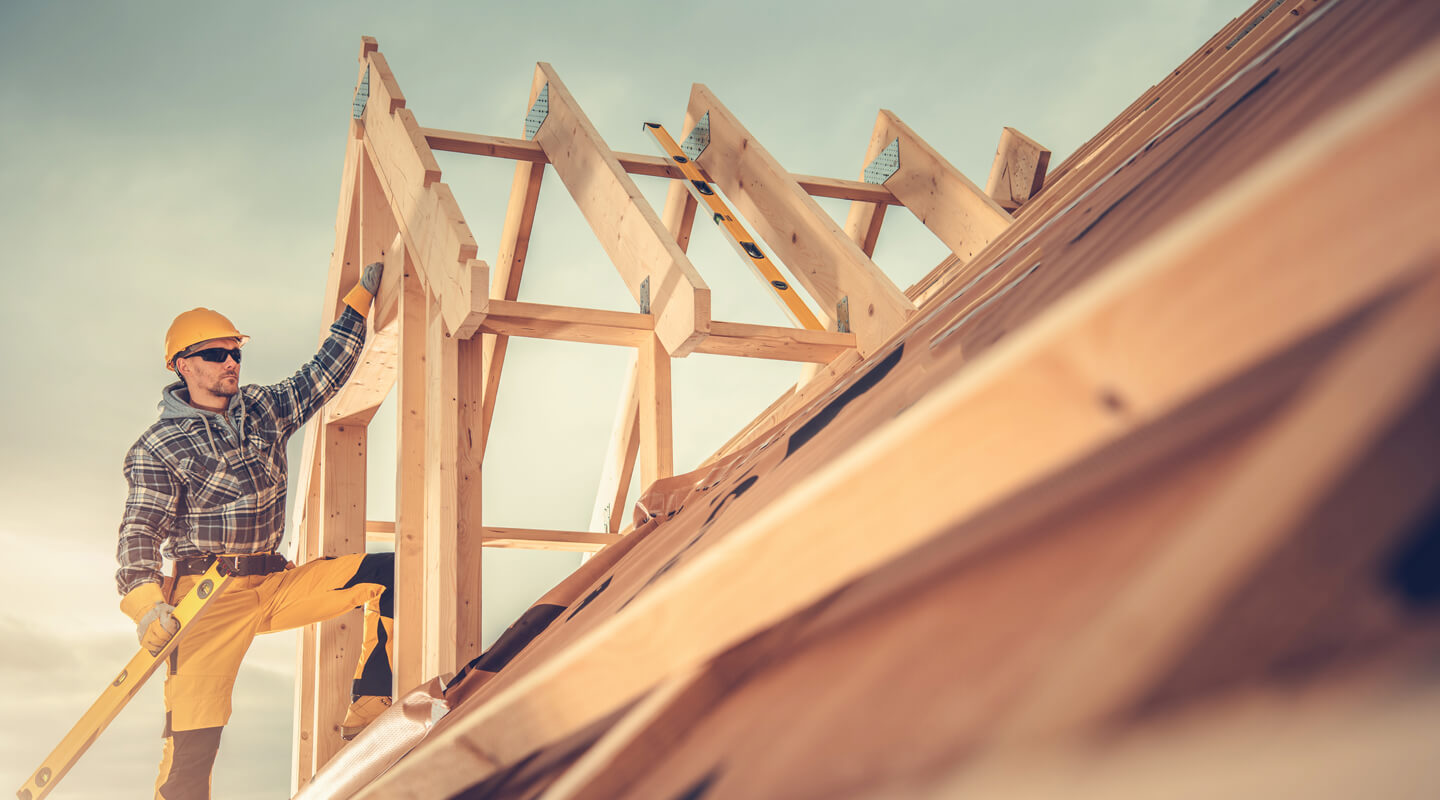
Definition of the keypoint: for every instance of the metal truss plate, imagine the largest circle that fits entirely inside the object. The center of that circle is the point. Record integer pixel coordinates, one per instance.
(887, 163)
(842, 315)
(645, 296)
(538, 112)
(362, 95)
(698, 139)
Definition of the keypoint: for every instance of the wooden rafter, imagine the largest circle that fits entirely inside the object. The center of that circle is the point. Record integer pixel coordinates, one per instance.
(654, 269)
(1018, 172)
(509, 266)
(949, 204)
(819, 255)
(424, 208)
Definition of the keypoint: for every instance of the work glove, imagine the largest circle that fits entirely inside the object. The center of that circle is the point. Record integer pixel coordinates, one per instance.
(364, 292)
(154, 618)
(370, 278)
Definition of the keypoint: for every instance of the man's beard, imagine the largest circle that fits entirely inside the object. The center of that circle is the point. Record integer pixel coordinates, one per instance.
(221, 389)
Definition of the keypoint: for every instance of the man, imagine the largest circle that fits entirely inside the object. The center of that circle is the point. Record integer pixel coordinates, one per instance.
(208, 481)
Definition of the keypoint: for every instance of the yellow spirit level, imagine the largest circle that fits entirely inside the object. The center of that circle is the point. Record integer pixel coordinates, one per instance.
(705, 194)
(119, 692)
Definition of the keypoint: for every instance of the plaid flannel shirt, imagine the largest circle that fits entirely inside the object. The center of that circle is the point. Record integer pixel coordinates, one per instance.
(203, 482)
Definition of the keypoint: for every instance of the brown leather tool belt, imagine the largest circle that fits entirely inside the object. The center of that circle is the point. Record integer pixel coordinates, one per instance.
(238, 566)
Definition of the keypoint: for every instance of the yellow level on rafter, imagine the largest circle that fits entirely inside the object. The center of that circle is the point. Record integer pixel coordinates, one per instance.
(705, 194)
(119, 692)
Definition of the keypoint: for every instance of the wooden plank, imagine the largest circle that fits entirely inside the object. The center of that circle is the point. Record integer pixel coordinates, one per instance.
(342, 532)
(1018, 171)
(374, 375)
(531, 539)
(1367, 734)
(637, 164)
(1162, 327)
(425, 209)
(381, 532)
(509, 266)
(627, 329)
(410, 486)
(818, 254)
(384, 76)
(566, 323)
(386, 311)
(862, 225)
(1288, 471)
(657, 457)
(305, 547)
(469, 455)
(779, 343)
(609, 513)
(842, 189)
(302, 750)
(628, 228)
(949, 204)
(442, 489)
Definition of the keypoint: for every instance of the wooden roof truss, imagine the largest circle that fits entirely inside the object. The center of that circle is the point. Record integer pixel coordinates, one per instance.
(443, 317)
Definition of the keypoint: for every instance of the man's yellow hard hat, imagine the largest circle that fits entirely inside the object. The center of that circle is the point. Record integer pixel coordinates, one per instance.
(194, 326)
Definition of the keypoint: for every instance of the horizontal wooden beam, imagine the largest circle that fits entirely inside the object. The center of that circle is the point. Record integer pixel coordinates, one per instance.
(477, 144)
(777, 343)
(381, 531)
(567, 323)
(629, 329)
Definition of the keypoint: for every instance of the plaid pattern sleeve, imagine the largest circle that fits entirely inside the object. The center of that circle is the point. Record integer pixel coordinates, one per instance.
(298, 397)
(150, 509)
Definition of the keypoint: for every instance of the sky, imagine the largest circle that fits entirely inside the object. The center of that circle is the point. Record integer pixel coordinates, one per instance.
(158, 156)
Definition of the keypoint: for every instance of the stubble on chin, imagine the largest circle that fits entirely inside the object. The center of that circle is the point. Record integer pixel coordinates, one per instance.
(223, 387)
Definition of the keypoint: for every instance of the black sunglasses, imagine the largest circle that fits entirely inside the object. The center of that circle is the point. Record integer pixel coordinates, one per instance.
(216, 355)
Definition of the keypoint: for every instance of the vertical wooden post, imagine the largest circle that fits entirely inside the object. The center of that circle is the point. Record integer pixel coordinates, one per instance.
(470, 452)
(342, 531)
(306, 659)
(657, 458)
(410, 486)
(442, 419)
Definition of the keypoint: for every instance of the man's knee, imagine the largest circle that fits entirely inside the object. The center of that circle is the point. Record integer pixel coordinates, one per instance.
(188, 760)
(377, 568)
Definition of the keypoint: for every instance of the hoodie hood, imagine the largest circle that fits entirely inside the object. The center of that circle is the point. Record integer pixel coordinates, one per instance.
(174, 404)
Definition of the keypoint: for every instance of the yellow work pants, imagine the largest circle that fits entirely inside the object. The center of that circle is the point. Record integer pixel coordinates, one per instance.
(201, 670)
